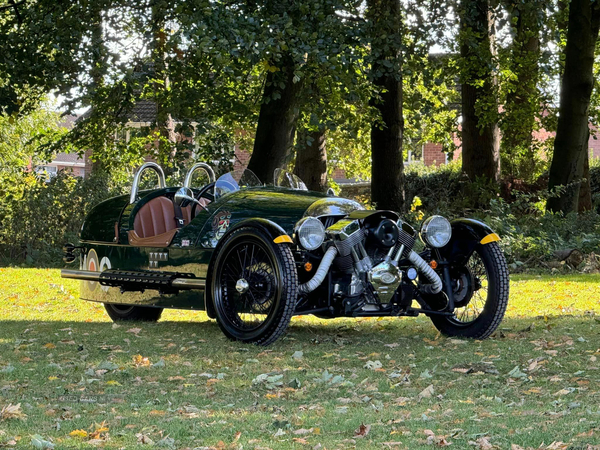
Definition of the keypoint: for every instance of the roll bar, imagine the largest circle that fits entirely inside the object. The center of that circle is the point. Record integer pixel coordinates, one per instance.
(138, 176)
(209, 171)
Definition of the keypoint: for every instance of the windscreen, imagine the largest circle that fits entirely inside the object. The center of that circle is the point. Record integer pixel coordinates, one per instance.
(284, 179)
(234, 181)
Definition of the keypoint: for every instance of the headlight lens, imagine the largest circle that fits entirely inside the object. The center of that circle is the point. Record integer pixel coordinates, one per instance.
(436, 231)
(310, 233)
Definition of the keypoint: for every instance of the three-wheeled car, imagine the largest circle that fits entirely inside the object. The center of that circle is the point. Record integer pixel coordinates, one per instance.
(253, 255)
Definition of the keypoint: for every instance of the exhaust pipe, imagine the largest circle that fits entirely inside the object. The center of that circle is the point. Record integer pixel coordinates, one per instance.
(137, 280)
(321, 273)
(436, 282)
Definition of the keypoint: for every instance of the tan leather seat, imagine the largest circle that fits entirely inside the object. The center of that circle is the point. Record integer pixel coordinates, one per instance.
(154, 224)
(155, 217)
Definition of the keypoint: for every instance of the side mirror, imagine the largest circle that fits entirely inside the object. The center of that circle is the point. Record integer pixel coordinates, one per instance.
(183, 195)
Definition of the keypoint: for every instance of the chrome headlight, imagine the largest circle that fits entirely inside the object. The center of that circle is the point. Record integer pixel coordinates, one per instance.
(310, 233)
(436, 231)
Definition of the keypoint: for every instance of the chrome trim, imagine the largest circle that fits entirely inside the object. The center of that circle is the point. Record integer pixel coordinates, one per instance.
(136, 179)
(188, 283)
(83, 275)
(209, 171)
(90, 275)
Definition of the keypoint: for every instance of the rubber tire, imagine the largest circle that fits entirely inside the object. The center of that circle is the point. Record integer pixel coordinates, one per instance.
(140, 313)
(288, 280)
(496, 302)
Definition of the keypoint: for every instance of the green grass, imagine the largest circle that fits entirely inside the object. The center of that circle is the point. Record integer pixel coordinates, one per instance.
(57, 351)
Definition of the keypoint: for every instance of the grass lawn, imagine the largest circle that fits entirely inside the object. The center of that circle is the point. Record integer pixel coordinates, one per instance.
(83, 382)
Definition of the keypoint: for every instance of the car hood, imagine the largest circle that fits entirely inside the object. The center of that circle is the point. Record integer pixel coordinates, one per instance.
(285, 207)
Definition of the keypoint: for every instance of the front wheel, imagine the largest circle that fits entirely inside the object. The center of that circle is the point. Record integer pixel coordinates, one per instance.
(480, 295)
(254, 287)
(128, 312)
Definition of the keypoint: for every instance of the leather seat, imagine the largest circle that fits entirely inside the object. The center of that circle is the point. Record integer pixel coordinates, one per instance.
(154, 224)
(155, 217)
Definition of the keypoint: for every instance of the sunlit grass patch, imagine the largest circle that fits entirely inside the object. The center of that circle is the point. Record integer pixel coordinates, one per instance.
(82, 382)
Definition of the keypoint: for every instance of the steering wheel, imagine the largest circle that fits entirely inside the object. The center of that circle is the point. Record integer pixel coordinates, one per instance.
(204, 193)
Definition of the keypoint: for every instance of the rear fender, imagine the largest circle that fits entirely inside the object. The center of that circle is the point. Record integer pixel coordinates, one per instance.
(466, 235)
(268, 227)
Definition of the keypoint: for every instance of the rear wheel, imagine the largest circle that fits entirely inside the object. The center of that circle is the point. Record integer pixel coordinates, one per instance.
(254, 287)
(481, 295)
(128, 312)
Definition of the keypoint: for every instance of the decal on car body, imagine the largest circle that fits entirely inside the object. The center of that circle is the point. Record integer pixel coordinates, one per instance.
(220, 223)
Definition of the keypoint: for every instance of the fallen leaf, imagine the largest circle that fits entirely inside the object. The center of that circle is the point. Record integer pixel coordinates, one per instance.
(143, 439)
(11, 411)
(78, 433)
(303, 431)
(141, 361)
(373, 365)
(427, 392)
(40, 443)
(362, 431)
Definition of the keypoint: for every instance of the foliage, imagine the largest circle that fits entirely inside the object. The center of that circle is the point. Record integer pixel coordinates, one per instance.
(37, 217)
(21, 137)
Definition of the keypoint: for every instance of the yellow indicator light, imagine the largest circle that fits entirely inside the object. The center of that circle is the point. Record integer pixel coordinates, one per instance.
(433, 264)
(492, 237)
(307, 266)
(283, 238)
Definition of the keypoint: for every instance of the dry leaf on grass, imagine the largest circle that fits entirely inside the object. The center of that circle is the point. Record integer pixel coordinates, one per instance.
(427, 392)
(143, 439)
(11, 411)
(141, 361)
(482, 443)
(362, 431)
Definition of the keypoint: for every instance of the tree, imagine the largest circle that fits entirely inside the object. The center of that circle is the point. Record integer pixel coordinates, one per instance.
(276, 126)
(387, 168)
(311, 158)
(572, 134)
(523, 103)
(480, 132)
(44, 47)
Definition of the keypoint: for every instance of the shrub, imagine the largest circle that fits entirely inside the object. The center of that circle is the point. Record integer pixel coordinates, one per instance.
(38, 217)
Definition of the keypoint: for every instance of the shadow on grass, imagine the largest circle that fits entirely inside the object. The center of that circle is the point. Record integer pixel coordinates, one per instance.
(302, 331)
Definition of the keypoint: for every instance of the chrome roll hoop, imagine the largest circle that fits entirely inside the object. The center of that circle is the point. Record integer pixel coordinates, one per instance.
(209, 171)
(138, 175)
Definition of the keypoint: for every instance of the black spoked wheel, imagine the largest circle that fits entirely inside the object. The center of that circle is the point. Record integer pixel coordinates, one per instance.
(254, 286)
(129, 312)
(480, 290)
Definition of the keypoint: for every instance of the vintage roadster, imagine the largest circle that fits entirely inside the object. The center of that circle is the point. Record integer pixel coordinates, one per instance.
(253, 256)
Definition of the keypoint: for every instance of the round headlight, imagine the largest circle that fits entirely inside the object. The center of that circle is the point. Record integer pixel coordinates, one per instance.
(310, 233)
(436, 231)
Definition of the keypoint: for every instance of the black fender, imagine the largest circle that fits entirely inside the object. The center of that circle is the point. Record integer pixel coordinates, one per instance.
(270, 228)
(466, 235)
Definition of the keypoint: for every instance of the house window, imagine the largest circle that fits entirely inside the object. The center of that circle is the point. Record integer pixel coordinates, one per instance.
(49, 171)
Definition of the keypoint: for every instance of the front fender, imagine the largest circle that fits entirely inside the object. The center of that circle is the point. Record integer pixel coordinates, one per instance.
(466, 235)
(270, 228)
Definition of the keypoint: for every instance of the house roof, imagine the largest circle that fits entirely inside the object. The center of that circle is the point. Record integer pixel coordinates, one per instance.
(67, 158)
(143, 111)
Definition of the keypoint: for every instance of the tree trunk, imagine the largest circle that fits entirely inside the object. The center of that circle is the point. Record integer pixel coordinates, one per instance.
(164, 121)
(97, 74)
(276, 126)
(522, 103)
(480, 133)
(311, 159)
(387, 167)
(572, 134)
